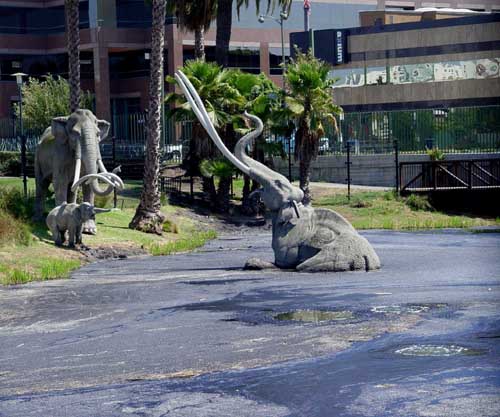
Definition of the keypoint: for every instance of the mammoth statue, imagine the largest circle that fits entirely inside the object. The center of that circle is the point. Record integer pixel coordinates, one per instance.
(68, 155)
(304, 238)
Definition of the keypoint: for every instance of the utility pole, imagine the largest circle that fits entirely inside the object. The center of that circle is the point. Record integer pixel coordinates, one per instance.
(307, 14)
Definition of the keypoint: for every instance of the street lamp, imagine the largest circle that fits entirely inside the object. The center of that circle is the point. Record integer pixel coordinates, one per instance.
(19, 81)
(282, 18)
(280, 21)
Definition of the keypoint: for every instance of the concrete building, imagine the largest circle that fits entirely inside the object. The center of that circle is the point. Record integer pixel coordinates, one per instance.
(424, 58)
(115, 38)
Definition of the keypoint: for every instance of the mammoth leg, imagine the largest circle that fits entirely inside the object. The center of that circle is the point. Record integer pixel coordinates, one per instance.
(71, 237)
(89, 227)
(58, 236)
(60, 191)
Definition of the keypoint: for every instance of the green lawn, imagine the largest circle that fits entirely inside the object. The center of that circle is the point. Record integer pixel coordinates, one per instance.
(385, 210)
(41, 260)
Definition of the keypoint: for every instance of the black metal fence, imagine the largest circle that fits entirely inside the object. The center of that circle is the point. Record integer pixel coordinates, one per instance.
(452, 130)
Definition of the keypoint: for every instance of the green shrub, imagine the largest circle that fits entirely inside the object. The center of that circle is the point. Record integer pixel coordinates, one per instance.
(13, 202)
(103, 201)
(170, 227)
(418, 202)
(435, 154)
(13, 231)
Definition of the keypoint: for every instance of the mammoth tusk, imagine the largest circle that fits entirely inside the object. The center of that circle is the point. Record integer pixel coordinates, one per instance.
(202, 115)
(101, 210)
(111, 175)
(91, 177)
(78, 167)
(296, 208)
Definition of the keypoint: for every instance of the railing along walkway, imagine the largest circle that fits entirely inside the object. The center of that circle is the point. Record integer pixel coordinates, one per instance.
(469, 174)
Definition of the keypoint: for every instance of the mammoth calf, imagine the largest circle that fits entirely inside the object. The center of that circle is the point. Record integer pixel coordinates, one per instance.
(70, 217)
(304, 238)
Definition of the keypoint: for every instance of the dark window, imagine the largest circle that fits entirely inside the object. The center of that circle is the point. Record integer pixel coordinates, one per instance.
(276, 59)
(40, 65)
(135, 14)
(246, 59)
(129, 64)
(38, 21)
(126, 105)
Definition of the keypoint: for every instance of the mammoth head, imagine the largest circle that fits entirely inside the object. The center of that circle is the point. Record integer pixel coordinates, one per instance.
(88, 211)
(276, 190)
(82, 132)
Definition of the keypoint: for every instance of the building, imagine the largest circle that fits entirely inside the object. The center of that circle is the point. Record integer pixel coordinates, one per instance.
(424, 58)
(115, 39)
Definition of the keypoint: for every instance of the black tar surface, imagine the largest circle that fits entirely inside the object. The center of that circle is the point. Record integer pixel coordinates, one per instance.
(195, 335)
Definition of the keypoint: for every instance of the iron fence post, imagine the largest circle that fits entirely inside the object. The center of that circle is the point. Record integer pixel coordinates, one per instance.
(348, 163)
(396, 161)
(113, 148)
(23, 164)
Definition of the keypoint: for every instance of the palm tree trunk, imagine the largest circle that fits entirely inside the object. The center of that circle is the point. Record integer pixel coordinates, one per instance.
(148, 217)
(304, 177)
(223, 36)
(73, 45)
(199, 44)
(223, 194)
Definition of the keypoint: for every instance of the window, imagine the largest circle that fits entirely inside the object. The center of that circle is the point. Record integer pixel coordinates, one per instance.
(135, 14)
(128, 64)
(276, 59)
(245, 59)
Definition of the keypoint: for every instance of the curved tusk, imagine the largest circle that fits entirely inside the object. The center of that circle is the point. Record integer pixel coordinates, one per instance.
(78, 167)
(90, 177)
(296, 208)
(115, 178)
(112, 175)
(202, 115)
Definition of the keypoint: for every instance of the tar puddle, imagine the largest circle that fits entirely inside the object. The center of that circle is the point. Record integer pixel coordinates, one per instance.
(438, 350)
(314, 316)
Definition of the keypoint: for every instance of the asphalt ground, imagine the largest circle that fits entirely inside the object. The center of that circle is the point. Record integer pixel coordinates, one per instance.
(195, 335)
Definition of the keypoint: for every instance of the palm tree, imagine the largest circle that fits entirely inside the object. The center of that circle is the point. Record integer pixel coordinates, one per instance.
(148, 217)
(310, 100)
(224, 24)
(222, 102)
(73, 46)
(195, 16)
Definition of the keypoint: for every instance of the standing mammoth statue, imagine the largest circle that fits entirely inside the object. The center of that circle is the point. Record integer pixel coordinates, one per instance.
(304, 238)
(68, 156)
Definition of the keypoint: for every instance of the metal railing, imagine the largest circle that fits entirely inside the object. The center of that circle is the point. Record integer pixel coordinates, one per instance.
(467, 174)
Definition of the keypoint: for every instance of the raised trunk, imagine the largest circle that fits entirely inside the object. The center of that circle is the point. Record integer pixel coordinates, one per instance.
(73, 45)
(223, 36)
(148, 217)
(199, 44)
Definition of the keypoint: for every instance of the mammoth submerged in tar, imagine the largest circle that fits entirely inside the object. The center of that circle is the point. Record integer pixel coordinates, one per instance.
(303, 238)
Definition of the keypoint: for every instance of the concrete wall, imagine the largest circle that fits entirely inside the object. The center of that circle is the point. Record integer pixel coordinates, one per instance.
(375, 170)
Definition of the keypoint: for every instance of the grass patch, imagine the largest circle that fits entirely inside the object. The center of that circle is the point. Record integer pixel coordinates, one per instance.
(41, 270)
(27, 252)
(387, 210)
(182, 245)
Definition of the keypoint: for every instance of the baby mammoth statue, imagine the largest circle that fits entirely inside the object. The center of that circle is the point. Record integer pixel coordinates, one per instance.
(70, 217)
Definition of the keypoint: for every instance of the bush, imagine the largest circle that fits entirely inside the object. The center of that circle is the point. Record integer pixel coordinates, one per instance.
(13, 202)
(10, 163)
(102, 201)
(13, 231)
(418, 202)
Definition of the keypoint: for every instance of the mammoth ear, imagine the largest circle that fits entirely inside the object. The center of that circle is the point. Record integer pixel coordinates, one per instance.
(58, 127)
(103, 126)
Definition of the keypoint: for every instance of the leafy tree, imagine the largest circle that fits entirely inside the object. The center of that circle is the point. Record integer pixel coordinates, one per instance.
(310, 100)
(148, 217)
(71, 8)
(195, 16)
(222, 101)
(48, 98)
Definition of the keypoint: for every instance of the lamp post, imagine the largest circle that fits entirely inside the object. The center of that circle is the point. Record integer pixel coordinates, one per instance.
(19, 81)
(280, 21)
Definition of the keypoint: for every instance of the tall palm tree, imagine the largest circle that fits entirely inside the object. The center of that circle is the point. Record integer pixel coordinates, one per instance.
(73, 46)
(224, 24)
(148, 217)
(310, 100)
(195, 16)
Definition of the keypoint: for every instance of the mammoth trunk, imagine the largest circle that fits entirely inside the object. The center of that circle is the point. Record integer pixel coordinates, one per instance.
(89, 159)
